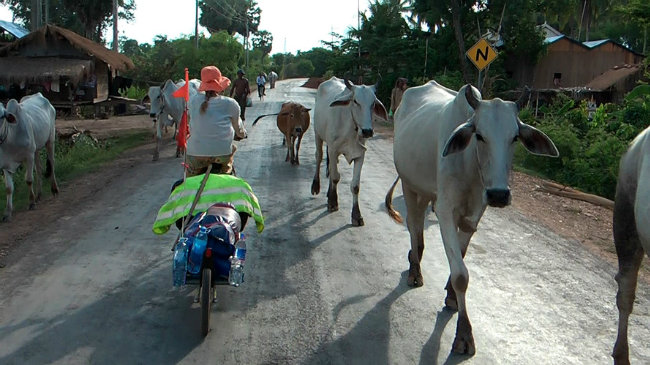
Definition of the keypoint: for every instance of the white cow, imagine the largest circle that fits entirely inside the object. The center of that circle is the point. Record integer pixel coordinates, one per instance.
(26, 128)
(343, 119)
(166, 109)
(455, 150)
(631, 232)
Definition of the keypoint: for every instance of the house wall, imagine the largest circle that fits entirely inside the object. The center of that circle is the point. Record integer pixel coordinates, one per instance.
(577, 64)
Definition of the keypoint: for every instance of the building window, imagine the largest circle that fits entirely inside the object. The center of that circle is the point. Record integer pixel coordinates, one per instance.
(557, 79)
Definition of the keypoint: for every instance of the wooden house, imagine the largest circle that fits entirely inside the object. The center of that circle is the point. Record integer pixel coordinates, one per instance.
(65, 67)
(569, 63)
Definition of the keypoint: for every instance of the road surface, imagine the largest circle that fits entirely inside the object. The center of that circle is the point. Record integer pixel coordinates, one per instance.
(93, 285)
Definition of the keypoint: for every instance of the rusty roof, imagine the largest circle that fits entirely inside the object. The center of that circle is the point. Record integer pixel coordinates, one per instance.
(610, 77)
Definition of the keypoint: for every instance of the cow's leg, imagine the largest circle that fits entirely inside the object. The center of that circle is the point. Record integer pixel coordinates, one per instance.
(298, 148)
(29, 180)
(464, 340)
(630, 254)
(415, 208)
(37, 177)
(335, 177)
(466, 228)
(159, 133)
(357, 220)
(49, 169)
(292, 147)
(9, 189)
(315, 185)
(287, 137)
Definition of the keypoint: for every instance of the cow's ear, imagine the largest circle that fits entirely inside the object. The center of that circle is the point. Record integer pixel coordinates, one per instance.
(305, 109)
(380, 109)
(343, 98)
(10, 118)
(536, 142)
(459, 139)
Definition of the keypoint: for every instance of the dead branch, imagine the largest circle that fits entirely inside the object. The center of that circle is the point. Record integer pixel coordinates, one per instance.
(565, 191)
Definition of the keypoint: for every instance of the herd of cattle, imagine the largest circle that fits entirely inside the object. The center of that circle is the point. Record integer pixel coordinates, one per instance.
(451, 149)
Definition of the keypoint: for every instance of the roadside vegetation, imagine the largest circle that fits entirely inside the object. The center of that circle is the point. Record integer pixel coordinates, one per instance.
(75, 157)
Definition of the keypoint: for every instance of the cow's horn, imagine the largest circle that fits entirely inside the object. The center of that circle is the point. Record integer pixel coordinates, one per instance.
(469, 95)
(378, 81)
(347, 82)
(523, 99)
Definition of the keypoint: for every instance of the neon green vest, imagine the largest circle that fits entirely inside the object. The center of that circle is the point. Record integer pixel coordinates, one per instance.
(219, 188)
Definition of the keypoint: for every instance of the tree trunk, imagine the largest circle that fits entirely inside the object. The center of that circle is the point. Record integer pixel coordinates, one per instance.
(458, 31)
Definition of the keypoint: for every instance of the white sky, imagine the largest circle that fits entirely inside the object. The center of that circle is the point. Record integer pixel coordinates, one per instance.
(294, 24)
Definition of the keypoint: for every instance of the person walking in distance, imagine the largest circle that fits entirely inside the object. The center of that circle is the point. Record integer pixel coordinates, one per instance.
(214, 124)
(240, 89)
(261, 80)
(396, 94)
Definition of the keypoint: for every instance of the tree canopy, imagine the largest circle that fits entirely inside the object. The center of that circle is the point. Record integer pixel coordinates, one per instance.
(89, 17)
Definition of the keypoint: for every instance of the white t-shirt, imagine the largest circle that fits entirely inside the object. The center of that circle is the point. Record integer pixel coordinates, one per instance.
(212, 132)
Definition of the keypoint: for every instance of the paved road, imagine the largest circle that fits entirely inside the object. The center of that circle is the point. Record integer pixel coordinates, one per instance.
(96, 287)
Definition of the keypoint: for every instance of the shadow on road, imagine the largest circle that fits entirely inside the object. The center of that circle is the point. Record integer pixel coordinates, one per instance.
(368, 341)
(129, 311)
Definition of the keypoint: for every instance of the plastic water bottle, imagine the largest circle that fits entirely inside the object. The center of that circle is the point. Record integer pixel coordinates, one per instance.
(198, 249)
(179, 267)
(236, 276)
(240, 248)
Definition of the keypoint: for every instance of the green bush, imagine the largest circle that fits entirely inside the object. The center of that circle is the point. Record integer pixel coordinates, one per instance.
(590, 151)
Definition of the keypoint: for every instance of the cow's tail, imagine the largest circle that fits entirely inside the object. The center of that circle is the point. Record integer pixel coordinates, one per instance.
(389, 203)
(327, 161)
(262, 116)
(48, 169)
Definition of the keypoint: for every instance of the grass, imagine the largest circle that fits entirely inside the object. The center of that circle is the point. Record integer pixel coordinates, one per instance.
(72, 160)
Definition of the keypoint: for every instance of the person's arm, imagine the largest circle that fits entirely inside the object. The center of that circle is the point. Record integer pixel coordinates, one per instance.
(237, 126)
(232, 88)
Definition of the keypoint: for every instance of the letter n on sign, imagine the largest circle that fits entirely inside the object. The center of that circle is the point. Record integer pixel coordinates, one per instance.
(481, 54)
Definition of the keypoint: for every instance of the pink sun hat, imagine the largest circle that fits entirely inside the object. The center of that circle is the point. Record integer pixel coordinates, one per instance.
(211, 79)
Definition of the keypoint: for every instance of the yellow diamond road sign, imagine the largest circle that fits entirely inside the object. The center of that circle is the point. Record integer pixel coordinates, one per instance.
(481, 54)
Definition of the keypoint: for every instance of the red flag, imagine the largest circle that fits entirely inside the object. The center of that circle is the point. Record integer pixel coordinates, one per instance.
(183, 128)
(184, 92)
(183, 133)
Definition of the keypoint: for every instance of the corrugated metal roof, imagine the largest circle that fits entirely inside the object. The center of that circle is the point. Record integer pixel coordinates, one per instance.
(16, 30)
(594, 44)
(549, 40)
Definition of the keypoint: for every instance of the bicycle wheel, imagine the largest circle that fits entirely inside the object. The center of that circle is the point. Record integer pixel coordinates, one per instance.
(206, 300)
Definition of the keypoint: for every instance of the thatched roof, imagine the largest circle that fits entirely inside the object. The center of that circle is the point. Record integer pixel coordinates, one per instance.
(42, 69)
(115, 60)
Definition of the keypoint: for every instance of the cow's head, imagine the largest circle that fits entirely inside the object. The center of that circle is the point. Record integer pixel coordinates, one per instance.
(12, 112)
(363, 103)
(155, 98)
(491, 133)
(298, 117)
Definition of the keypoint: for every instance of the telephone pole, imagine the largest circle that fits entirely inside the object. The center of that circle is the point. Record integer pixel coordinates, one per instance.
(196, 26)
(115, 32)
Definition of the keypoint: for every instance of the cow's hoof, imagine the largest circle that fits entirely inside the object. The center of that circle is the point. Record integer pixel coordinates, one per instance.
(414, 281)
(55, 191)
(358, 222)
(451, 303)
(6, 219)
(332, 207)
(464, 341)
(315, 187)
(155, 158)
(464, 345)
(32, 206)
(38, 197)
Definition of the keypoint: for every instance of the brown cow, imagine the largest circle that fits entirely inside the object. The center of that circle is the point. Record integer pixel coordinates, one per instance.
(293, 122)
